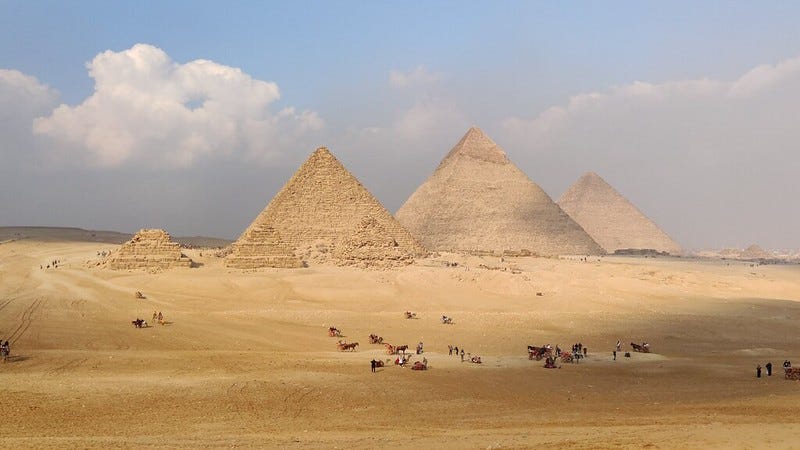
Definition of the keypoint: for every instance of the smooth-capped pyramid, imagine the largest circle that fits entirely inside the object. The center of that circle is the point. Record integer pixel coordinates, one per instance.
(323, 214)
(151, 249)
(477, 201)
(613, 221)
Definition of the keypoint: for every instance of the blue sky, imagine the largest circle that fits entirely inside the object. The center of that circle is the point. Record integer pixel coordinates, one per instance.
(500, 65)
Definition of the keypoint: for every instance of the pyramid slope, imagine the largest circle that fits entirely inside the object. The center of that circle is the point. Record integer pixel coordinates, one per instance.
(613, 221)
(148, 249)
(477, 201)
(324, 214)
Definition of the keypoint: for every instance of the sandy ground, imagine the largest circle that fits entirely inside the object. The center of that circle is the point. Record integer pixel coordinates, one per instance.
(246, 361)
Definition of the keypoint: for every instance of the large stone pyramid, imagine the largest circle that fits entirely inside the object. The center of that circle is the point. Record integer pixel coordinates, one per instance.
(323, 214)
(613, 221)
(148, 249)
(477, 201)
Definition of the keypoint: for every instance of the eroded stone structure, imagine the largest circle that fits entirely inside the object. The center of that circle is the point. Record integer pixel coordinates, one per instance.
(323, 215)
(150, 249)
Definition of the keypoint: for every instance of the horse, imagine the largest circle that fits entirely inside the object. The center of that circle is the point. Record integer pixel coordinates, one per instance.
(139, 323)
(375, 339)
(334, 332)
(640, 348)
(447, 320)
(538, 353)
(411, 315)
(351, 346)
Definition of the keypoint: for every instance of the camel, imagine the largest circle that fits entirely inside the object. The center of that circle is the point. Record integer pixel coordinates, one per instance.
(644, 348)
(447, 320)
(375, 339)
(419, 365)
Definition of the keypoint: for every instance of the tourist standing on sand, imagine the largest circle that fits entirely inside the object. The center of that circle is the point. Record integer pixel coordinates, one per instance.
(373, 363)
(615, 355)
(462, 355)
(758, 371)
(450, 350)
(769, 369)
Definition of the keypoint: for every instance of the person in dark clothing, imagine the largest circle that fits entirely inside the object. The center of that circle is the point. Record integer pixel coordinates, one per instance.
(372, 363)
(615, 355)
(456, 349)
(462, 355)
(769, 369)
(758, 371)
(450, 350)
(585, 351)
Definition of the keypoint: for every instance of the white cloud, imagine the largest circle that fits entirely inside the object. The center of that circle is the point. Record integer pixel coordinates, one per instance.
(419, 76)
(149, 110)
(22, 98)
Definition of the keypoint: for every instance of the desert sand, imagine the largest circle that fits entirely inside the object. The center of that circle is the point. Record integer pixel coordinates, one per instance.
(245, 360)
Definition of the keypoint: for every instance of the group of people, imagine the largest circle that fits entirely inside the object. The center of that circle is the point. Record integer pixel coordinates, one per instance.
(786, 365)
(451, 350)
(5, 349)
(54, 263)
(419, 348)
(158, 317)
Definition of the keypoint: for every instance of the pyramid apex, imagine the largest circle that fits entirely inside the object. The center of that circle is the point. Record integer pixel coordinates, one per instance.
(476, 144)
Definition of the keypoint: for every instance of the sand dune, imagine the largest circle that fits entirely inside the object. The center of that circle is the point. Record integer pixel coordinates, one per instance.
(246, 361)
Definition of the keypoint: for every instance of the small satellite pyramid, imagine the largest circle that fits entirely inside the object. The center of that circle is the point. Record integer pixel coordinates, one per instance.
(613, 221)
(477, 201)
(323, 214)
(151, 249)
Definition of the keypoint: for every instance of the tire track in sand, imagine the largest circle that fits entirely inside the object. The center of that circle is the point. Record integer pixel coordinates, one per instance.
(26, 318)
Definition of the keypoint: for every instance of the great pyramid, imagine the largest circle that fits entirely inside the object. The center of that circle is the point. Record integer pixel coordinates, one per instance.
(613, 221)
(148, 249)
(477, 201)
(323, 214)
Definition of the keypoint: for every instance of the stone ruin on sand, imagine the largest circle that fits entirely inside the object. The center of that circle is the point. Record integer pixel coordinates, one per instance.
(150, 249)
(478, 202)
(323, 215)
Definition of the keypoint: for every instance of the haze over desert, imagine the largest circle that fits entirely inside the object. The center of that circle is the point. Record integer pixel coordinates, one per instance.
(455, 225)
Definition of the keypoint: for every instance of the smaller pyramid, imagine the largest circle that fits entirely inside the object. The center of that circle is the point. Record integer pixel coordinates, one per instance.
(323, 215)
(611, 220)
(262, 246)
(148, 249)
(755, 252)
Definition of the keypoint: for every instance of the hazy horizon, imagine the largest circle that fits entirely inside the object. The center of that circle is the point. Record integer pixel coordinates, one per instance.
(190, 116)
